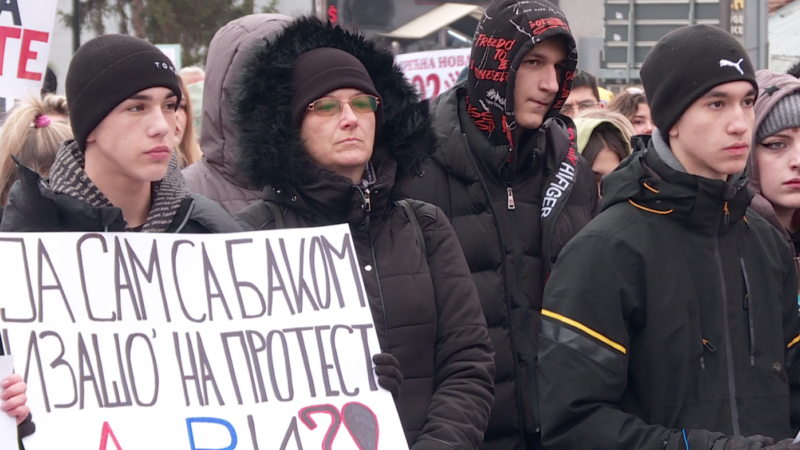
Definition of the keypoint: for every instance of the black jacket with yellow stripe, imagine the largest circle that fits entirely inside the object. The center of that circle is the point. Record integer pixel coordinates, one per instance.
(674, 311)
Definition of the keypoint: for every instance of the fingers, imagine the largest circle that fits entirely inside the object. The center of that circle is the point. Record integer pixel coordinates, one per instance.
(388, 371)
(13, 403)
(14, 390)
(20, 413)
(11, 379)
(385, 359)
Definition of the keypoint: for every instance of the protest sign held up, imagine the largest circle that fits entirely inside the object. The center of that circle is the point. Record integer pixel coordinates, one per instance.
(432, 73)
(25, 34)
(249, 341)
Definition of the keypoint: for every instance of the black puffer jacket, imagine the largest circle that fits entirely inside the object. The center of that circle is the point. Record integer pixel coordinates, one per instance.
(33, 206)
(425, 306)
(675, 309)
(513, 205)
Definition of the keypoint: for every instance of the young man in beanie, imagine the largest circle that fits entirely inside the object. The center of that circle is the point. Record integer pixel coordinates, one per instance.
(508, 176)
(670, 321)
(119, 173)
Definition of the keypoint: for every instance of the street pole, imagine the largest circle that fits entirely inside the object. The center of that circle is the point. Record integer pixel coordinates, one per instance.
(76, 25)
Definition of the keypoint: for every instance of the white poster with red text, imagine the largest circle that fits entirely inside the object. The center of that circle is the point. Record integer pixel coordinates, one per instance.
(26, 31)
(434, 72)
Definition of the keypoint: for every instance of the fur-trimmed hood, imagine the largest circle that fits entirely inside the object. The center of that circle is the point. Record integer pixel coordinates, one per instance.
(270, 150)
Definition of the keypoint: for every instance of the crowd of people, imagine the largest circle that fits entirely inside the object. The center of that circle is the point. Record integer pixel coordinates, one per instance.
(545, 268)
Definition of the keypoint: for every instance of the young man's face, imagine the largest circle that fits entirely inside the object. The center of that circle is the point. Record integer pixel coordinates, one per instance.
(712, 138)
(537, 82)
(135, 140)
(580, 99)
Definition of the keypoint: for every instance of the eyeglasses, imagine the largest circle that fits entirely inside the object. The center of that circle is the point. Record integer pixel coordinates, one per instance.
(588, 104)
(331, 106)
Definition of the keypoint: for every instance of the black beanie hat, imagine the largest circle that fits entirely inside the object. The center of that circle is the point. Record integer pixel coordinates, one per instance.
(322, 70)
(108, 70)
(687, 63)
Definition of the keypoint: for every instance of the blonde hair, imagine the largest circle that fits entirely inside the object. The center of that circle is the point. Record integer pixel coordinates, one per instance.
(188, 148)
(56, 104)
(34, 146)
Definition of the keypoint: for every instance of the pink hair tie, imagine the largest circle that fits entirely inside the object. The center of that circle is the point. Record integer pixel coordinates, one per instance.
(42, 121)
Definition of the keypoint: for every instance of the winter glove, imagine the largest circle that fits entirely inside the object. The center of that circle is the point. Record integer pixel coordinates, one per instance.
(785, 444)
(387, 367)
(756, 442)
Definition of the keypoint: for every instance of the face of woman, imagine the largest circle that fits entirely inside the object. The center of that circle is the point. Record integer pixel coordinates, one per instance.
(180, 122)
(605, 163)
(641, 121)
(778, 159)
(340, 140)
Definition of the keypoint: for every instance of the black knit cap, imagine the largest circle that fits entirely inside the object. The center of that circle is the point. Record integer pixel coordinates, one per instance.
(687, 63)
(322, 70)
(108, 70)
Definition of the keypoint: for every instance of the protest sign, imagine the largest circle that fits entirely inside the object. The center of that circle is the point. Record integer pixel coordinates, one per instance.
(434, 72)
(250, 341)
(26, 29)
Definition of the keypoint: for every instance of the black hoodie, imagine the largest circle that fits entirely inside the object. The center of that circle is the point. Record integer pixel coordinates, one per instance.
(425, 307)
(674, 311)
(513, 206)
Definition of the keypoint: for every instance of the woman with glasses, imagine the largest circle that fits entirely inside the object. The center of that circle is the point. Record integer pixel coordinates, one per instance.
(330, 130)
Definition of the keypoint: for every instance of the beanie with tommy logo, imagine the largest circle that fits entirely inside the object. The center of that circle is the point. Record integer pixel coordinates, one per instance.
(687, 63)
(108, 70)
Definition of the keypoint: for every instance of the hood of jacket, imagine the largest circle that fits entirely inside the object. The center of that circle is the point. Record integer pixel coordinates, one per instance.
(226, 59)
(271, 152)
(585, 128)
(507, 31)
(772, 88)
(646, 182)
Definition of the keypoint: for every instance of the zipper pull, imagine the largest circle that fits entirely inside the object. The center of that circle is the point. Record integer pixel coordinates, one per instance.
(511, 205)
(709, 346)
(727, 214)
(367, 201)
(746, 304)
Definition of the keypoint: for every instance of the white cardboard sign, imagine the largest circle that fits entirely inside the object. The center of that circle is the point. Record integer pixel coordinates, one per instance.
(26, 30)
(434, 72)
(251, 341)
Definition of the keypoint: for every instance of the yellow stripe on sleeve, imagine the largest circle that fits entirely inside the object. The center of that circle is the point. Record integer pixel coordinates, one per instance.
(595, 334)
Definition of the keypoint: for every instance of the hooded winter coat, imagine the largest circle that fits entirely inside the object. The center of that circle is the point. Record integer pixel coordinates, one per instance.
(215, 176)
(670, 321)
(772, 88)
(514, 203)
(425, 307)
(58, 203)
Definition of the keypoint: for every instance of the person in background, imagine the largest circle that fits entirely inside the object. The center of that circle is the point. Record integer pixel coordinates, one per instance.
(774, 165)
(55, 107)
(632, 104)
(50, 83)
(670, 321)
(605, 96)
(192, 74)
(583, 96)
(604, 139)
(120, 172)
(216, 175)
(342, 134)
(187, 146)
(508, 176)
(794, 70)
(31, 137)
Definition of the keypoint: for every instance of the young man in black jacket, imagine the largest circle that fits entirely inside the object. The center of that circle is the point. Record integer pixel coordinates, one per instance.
(119, 173)
(670, 321)
(508, 176)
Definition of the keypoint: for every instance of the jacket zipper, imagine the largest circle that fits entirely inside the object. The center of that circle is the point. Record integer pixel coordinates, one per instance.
(502, 248)
(368, 207)
(726, 324)
(746, 306)
(511, 204)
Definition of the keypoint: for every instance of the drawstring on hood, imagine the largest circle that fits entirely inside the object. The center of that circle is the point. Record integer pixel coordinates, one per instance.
(505, 33)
